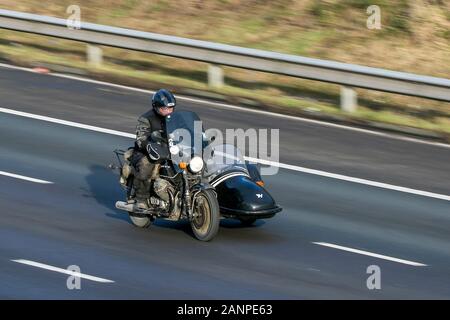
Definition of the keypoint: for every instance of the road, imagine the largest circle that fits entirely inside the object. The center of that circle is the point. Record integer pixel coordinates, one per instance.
(72, 220)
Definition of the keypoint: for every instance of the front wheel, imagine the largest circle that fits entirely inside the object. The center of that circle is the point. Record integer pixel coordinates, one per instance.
(205, 223)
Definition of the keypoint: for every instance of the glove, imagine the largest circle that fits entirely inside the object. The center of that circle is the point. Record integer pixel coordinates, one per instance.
(152, 152)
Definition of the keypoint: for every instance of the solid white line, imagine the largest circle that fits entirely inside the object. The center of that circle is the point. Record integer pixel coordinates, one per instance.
(60, 270)
(370, 254)
(261, 161)
(10, 66)
(17, 176)
(235, 107)
(351, 179)
(66, 123)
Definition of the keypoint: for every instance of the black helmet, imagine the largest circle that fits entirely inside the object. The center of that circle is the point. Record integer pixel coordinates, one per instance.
(163, 98)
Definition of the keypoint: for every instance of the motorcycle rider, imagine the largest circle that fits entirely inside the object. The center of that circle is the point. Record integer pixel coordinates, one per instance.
(143, 158)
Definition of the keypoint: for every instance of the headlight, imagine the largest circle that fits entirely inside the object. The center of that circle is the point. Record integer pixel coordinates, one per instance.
(196, 164)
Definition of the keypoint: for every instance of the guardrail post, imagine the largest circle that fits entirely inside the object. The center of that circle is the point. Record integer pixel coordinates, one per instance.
(94, 56)
(215, 76)
(348, 99)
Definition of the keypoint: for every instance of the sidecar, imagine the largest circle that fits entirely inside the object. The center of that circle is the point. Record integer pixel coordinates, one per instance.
(240, 189)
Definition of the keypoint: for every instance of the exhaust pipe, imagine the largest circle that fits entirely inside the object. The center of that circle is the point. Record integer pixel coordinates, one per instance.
(131, 207)
(122, 205)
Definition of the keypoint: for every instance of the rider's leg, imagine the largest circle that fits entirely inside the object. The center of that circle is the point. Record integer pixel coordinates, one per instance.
(142, 180)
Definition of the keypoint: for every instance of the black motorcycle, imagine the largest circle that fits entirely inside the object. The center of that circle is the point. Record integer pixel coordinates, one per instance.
(179, 189)
(196, 180)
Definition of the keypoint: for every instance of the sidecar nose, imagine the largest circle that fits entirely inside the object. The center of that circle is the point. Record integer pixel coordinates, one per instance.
(242, 196)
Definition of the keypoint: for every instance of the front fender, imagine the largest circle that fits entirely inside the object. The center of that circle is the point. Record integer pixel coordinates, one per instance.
(201, 186)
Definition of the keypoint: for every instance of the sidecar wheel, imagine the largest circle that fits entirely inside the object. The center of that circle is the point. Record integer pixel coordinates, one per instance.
(206, 225)
(247, 221)
(140, 222)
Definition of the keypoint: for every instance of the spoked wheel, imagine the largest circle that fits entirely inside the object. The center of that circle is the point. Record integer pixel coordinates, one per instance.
(247, 221)
(205, 223)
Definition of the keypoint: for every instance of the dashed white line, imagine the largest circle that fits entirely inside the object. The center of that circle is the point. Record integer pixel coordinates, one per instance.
(261, 161)
(60, 270)
(18, 176)
(370, 254)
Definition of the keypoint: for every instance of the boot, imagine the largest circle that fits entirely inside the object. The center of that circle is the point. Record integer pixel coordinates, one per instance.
(142, 193)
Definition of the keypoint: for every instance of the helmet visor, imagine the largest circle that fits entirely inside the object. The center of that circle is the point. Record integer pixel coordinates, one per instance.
(165, 110)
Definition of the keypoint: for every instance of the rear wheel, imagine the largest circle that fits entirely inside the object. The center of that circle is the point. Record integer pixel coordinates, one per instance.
(140, 221)
(205, 223)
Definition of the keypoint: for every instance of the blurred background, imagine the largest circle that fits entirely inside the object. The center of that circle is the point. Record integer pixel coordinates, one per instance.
(414, 37)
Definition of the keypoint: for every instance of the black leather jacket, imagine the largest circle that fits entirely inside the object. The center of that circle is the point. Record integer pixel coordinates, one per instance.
(148, 123)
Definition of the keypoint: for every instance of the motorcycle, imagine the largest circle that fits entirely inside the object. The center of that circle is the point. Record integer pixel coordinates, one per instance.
(195, 180)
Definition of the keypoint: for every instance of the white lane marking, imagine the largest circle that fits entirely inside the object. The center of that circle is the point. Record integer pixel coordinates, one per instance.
(261, 161)
(235, 107)
(351, 179)
(66, 123)
(370, 254)
(18, 176)
(60, 270)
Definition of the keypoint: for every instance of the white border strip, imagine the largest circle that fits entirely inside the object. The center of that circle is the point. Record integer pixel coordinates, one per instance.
(17, 176)
(370, 254)
(235, 107)
(261, 161)
(60, 270)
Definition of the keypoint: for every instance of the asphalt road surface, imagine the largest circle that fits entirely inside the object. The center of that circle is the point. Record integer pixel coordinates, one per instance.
(305, 252)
